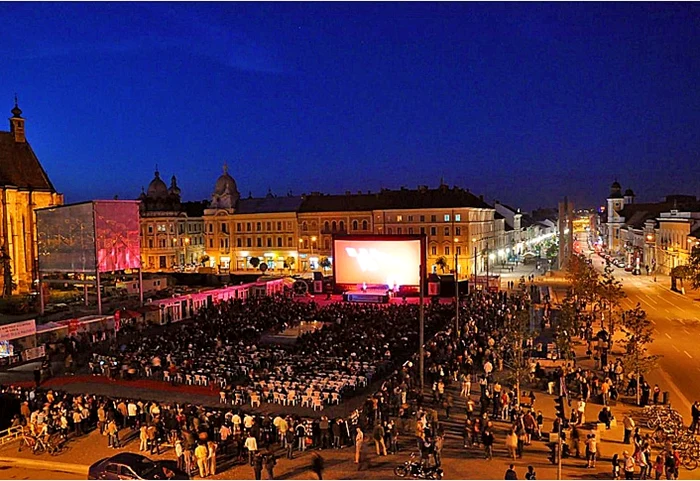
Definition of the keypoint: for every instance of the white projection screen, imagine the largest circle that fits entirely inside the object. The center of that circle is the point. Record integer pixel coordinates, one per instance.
(382, 260)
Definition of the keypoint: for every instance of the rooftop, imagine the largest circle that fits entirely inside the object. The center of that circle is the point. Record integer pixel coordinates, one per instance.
(20, 167)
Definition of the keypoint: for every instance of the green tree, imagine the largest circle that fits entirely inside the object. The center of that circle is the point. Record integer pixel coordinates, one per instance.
(639, 334)
(204, 260)
(517, 327)
(441, 262)
(694, 265)
(254, 261)
(681, 273)
(263, 267)
(609, 295)
(6, 265)
(567, 323)
(289, 262)
(325, 263)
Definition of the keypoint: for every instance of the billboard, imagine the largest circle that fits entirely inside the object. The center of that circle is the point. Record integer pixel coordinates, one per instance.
(66, 238)
(83, 238)
(393, 261)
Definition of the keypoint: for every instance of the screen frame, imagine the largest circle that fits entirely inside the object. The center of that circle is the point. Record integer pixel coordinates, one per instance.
(423, 238)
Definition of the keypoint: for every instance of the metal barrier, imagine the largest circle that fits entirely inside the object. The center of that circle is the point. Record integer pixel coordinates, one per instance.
(10, 434)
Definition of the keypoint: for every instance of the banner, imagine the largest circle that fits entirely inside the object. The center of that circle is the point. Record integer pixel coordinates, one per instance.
(17, 330)
(33, 353)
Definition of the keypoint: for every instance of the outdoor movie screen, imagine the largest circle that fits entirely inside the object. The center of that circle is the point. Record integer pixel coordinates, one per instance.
(377, 262)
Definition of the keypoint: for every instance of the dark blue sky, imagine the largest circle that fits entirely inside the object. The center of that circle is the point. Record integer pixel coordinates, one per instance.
(522, 102)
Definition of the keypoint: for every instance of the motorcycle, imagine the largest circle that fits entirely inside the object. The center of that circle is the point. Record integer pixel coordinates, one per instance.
(415, 469)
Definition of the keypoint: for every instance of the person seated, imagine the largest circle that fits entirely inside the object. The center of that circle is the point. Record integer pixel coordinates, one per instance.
(605, 416)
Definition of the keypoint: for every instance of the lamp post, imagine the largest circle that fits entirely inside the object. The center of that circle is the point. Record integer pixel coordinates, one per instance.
(487, 265)
(456, 290)
(474, 243)
(184, 253)
(313, 240)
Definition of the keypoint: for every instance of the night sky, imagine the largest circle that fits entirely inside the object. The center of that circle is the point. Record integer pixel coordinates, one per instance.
(522, 102)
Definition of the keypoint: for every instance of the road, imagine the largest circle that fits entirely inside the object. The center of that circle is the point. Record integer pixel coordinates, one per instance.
(676, 320)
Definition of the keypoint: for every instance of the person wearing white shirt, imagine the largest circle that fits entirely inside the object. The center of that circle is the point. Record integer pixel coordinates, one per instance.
(251, 444)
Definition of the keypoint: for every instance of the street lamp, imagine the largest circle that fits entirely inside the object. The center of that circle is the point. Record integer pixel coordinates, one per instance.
(474, 244)
(456, 289)
(313, 240)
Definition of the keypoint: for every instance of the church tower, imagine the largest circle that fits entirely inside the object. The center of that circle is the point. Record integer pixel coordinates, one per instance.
(616, 202)
(17, 124)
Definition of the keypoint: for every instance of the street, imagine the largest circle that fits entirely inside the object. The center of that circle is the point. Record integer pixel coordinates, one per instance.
(676, 320)
(13, 472)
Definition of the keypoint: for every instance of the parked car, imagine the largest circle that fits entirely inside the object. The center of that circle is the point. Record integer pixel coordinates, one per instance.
(134, 466)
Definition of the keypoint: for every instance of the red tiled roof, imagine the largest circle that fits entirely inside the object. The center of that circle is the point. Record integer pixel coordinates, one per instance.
(20, 167)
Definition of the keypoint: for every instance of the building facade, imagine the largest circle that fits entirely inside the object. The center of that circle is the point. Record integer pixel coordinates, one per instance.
(24, 187)
(172, 232)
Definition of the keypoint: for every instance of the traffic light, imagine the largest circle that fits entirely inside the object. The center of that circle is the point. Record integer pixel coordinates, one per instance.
(559, 407)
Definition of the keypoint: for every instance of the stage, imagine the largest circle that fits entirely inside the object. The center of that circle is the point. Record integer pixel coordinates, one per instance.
(377, 296)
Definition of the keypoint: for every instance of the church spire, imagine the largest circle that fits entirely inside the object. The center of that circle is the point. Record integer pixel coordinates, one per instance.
(17, 123)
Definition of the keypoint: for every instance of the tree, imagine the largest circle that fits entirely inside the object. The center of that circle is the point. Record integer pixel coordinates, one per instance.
(254, 261)
(441, 262)
(263, 267)
(289, 263)
(6, 265)
(568, 321)
(325, 263)
(516, 333)
(639, 335)
(204, 260)
(681, 272)
(694, 265)
(609, 293)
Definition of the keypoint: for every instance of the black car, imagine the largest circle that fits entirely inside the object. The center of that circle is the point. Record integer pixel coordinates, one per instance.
(134, 466)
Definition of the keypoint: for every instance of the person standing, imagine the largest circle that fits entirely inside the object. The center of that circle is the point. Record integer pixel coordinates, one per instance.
(695, 413)
(359, 440)
(180, 455)
(143, 438)
(629, 424)
(211, 459)
(112, 434)
(290, 443)
(487, 440)
(270, 462)
(591, 450)
(251, 444)
(201, 454)
(530, 475)
(257, 463)
(628, 465)
(378, 436)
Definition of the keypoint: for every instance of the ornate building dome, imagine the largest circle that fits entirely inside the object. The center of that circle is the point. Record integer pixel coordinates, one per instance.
(157, 188)
(226, 193)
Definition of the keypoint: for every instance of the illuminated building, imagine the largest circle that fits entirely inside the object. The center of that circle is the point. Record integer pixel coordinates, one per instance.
(172, 234)
(24, 187)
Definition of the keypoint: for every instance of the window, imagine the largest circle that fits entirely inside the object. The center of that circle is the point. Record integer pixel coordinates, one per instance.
(224, 228)
(447, 250)
(248, 226)
(172, 228)
(249, 242)
(398, 231)
(279, 226)
(327, 244)
(410, 218)
(422, 230)
(290, 242)
(239, 227)
(304, 226)
(269, 226)
(354, 225)
(150, 229)
(161, 243)
(269, 242)
(458, 231)
(410, 230)
(221, 243)
(239, 242)
(306, 243)
(150, 243)
(433, 218)
(112, 469)
(289, 225)
(447, 231)
(258, 226)
(211, 243)
(211, 227)
(433, 250)
(388, 231)
(447, 217)
(342, 226)
(279, 242)
(399, 218)
(326, 226)
(334, 226)
(364, 225)
(259, 242)
(433, 230)
(459, 250)
(458, 217)
(422, 218)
